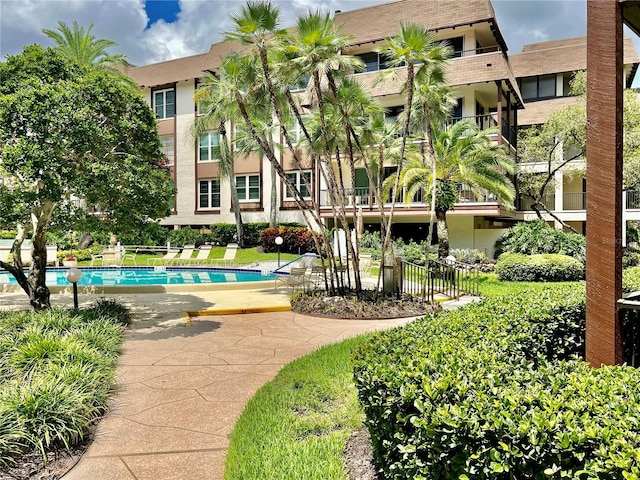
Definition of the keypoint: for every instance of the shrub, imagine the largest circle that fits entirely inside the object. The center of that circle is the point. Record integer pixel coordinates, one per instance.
(530, 238)
(631, 279)
(630, 257)
(188, 236)
(295, 240)
(84, 254)
(493, 390)
(514, 267)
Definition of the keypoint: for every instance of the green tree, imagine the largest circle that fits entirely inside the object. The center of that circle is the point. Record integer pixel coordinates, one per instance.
(68, 132)
(465, 156)
(80, 45)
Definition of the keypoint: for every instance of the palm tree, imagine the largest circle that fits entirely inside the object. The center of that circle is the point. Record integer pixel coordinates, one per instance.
(465, 155)
(416, 48)
(216, 98)
(81, 46)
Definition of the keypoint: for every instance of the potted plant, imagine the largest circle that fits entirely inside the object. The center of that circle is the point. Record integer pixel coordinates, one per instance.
(70, 261)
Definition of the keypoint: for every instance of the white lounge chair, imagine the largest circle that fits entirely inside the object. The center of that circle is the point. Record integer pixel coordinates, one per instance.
(168, 258)
(185, 255)
(229, 255)
(203, 254)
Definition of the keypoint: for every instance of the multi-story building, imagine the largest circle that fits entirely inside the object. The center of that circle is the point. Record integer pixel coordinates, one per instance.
(479, 74)
(544, 71)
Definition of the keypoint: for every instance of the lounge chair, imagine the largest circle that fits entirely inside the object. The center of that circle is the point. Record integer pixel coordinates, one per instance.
(185, 255)
(229, 255)
(167, 259)
(297, 278)
(316, 278)
(203, 254)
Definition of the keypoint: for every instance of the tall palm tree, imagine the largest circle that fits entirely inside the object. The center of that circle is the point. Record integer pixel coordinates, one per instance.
(81, 46)
(217, 99)
(416, 48)
(465, 155)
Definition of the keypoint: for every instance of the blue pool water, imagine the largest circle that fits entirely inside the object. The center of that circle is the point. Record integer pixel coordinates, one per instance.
(149, 276)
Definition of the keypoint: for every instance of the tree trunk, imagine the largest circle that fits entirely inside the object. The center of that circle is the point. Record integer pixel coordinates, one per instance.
(235, 203)
(443, 234)
(273, 212)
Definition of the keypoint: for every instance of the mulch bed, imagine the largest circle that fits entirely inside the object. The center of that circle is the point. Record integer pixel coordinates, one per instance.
(367, 306)
(31, 465)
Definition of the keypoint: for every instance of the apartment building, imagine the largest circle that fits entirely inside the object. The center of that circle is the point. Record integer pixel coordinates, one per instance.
(544, 71)
(488, 87)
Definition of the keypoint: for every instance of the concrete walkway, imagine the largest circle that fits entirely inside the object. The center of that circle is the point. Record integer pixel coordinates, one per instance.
(183, 383)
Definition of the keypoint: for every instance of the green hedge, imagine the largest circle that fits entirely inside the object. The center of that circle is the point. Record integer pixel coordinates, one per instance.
(295, 239)
(492, 391)
(514, 267)
(631, 279)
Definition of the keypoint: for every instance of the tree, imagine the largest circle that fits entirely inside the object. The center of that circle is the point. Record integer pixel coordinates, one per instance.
(84, 48)
(68, 132)
(465, 155)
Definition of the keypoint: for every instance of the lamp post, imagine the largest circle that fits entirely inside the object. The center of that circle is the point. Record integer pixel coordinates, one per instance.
(279, 241)
(73, 276)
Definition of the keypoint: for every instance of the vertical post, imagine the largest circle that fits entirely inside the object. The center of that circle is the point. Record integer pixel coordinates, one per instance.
(75, 295)
(499, 111)
(604, 181)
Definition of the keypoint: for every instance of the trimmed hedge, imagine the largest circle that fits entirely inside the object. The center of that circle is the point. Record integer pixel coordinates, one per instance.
(514, 267)
(493, 391)
(295, 240)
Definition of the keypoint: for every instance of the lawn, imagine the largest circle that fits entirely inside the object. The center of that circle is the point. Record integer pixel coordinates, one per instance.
(297, 425)
(245, 256)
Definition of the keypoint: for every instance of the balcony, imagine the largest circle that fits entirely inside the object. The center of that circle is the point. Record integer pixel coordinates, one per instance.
(577, 201)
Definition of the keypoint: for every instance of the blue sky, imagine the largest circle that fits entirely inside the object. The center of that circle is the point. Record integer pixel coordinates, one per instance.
(166, 10)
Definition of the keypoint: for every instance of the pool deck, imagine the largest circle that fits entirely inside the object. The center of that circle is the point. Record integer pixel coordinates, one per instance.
(184, 380)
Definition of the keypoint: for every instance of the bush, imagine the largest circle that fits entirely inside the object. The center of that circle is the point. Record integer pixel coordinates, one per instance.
(514, 267)
(630, 257)
(530, 238)
(84, 254)
(631, 279)
(188, 236)
(493, 390)
(295, 240)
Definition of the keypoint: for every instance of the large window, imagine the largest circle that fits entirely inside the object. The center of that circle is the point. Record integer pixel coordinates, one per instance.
(373, 61)
(457, 45)
(297, 179)
(540, 87)
(209, 146)
(209, 194)
(168, 148)
(248, 187)
(164, 103)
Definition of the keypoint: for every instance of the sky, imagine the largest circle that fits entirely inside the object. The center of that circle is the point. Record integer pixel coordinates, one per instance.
(156, 30)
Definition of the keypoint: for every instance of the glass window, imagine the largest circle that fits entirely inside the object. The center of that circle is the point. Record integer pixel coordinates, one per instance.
(209, 146)
(547, 86)
(209, 194)
(168, 148)
(164, 103)
(529, 88)
(457, 46)
(297, 179)
(248, 187)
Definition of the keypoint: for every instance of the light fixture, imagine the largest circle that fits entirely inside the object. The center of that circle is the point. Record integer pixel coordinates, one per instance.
(73, 276)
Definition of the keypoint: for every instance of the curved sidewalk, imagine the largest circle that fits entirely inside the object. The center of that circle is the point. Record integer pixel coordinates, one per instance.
(184, 383)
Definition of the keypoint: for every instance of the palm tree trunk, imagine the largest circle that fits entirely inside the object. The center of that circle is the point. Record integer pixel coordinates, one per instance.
(273, 212)
(443, 234)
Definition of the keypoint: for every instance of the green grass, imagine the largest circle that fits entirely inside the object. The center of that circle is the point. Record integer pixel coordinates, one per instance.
(490, 286)
(243, 257)
(57, 371)
(296, 426)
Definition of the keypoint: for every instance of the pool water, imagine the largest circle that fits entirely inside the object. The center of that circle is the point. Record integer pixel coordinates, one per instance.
(149, 276)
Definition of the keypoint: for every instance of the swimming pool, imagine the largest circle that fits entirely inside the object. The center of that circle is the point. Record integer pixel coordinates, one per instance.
(145, 276)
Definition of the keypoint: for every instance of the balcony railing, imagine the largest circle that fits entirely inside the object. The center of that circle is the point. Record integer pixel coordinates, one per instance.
(484, 121)
(525, 203)
(574, 200)
(476, 51)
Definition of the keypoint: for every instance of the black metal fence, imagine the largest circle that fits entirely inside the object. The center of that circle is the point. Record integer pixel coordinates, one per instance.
(438, 279)
(629, 317)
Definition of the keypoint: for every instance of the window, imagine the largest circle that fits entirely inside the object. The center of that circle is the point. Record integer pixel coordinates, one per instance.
(457, 46)
(297, 179)
(373, 61)
(301, 84)
(209, 194)
(168, 148)
(241, 137)
(248, 187)
(294, 130)
(164, 103)
(540, 87)
(209, 146)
